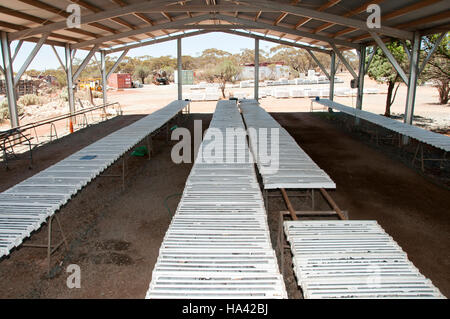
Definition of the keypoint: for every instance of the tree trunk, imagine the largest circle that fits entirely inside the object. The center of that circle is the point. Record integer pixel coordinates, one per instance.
(444, 92)
(387, 111)
(222, 88)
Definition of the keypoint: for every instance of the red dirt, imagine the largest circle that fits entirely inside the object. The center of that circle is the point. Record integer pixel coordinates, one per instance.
(115, 236)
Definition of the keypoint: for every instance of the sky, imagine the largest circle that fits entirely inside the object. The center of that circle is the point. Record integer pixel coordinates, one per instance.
(45, 59)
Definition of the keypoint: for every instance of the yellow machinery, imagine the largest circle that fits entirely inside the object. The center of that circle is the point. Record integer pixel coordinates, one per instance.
(93, 83)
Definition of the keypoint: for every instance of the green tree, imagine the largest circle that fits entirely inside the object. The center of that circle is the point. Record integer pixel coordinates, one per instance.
(298, 60)
(437, 69)
(382, 71)
(226, 72)
(141, 72)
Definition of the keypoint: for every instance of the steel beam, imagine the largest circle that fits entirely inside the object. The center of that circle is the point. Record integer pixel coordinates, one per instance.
(366, 68)
(390, 57)
(9, 79)
(431, 52)
(159, 40)
(251, 24)
(58, 58)
(256, 85)
(178, 24)
(124, 53)
(361, 73)
(68, 56)
(322, 67)
(30, 58)
(344, 60)
(179, 70)
(405, 47)
(104, 77)
(85, 63)
(95, 17)
(326, 17)
(332, 75)
(284, 42)
(413, 76)
(16, 51)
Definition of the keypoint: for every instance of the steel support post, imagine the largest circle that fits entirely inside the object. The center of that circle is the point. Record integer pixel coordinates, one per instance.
(70, 94)
(412, 82)
(179, 70)
(104, 80)
(361, 73)
(9, 80)
(332, 75)
(256, 85)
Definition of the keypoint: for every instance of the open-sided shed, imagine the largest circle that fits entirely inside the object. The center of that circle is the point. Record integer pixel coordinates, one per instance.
(328, 26)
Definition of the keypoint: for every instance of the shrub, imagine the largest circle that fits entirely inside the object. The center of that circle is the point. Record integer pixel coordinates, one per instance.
(29, 99)
(64, 95)
(4, 110)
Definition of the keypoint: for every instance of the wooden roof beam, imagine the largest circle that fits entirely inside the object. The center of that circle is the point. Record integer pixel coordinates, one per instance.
(393, 14)
(349, 14)
(64, 14)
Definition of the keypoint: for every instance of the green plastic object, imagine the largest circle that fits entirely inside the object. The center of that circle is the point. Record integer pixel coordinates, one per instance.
(140, 151)
(173, 127)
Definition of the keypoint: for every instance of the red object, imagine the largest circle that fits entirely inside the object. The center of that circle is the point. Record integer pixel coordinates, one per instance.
(120, 80)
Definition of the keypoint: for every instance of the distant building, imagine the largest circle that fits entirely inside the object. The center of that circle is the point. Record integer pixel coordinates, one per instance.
(267, 71)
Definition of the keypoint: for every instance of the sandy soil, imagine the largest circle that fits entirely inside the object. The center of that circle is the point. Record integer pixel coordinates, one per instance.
(115, 236)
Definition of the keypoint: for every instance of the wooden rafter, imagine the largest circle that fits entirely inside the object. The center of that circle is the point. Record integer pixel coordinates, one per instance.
(284, 14)
(138, 15)
(392, 15)
(258, 15)
(17, 27)
(96, 9)
(351, 13)
(64, 14)
(437, 17)
(323, 7)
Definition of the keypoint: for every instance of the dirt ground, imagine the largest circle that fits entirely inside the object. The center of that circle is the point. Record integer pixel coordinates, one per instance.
(115, 236)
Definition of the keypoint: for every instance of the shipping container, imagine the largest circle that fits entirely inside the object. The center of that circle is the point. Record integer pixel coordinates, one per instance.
(120, 80)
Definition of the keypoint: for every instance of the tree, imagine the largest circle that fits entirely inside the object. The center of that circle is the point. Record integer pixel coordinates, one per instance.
(298, 60)
(226, 72)
(382, 71)
(141, 72)
(438, 67)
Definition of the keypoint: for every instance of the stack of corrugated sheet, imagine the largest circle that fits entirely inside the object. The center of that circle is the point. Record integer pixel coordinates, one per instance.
(437, 140)
(352, 259)
(290, 166)
(25, 206)
(218, 243)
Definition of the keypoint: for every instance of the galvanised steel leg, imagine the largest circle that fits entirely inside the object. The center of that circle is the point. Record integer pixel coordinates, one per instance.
(123, 172)
(62, 232)
(415, 154)
(49, 244)
(149, 146)
(421, 158)
(266, 199)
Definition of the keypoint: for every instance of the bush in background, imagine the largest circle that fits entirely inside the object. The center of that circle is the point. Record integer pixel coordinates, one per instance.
(29, 99)
(4, 111)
